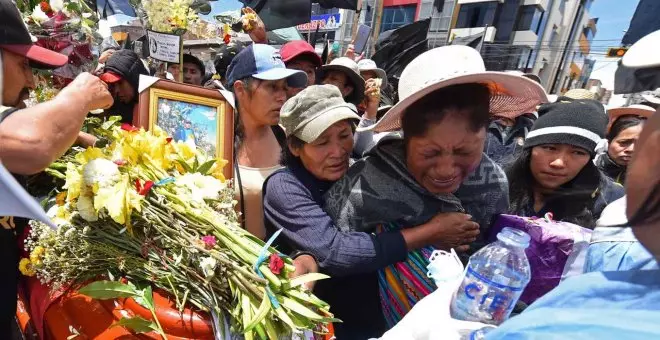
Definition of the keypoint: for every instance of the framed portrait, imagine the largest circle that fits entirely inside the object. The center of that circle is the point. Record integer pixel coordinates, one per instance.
(190, 112)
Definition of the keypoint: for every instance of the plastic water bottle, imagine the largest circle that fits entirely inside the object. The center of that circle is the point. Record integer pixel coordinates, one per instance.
(494, 280)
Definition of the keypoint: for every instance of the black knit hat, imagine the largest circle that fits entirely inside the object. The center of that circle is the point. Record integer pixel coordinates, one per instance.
(125, 64)
(580, 123)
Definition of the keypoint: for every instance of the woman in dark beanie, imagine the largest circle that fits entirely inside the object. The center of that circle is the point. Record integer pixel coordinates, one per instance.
(623, 131)
(555, 172)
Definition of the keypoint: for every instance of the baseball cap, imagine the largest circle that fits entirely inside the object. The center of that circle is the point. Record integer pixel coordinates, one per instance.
(300, 48)
(263, 62)
(124, 64)
(14, 37)
(312, 111)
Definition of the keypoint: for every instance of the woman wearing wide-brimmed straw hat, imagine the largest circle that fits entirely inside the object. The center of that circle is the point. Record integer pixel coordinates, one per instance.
(438, 166)
(625, 125)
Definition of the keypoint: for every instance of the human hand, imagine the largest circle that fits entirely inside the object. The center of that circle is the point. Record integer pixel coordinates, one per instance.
(253, 25)
(106, 55)
(452, 230)
(350, 53)
(91, 89)
(372, 91)
(305, 264)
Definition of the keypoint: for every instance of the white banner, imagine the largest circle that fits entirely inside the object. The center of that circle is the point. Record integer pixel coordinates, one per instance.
(164, 47)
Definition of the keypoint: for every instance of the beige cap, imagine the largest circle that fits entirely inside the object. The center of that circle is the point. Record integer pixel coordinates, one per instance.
(312, 111)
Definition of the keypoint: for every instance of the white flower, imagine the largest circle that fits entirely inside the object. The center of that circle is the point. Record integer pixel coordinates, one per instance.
(100, 173)
(201, 187)
(208, 265)
(86, 209)
(56, 5)
(59, 214)
(38, 15)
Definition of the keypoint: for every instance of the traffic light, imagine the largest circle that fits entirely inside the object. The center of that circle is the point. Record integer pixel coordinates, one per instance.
(616, 52)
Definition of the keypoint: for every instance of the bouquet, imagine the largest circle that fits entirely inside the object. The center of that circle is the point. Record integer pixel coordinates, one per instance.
(155, 212)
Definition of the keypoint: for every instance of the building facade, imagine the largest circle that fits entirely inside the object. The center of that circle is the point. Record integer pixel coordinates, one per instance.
(550, 38)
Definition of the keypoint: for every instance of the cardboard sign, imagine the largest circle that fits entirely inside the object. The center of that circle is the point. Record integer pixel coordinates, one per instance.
(164, 47)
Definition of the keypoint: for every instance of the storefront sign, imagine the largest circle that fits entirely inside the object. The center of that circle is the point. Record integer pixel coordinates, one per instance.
(328, 22)
(164, 47)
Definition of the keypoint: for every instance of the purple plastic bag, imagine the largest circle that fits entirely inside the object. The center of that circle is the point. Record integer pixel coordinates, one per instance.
(556, 251)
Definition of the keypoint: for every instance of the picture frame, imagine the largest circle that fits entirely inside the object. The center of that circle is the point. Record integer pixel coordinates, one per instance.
(187, 111)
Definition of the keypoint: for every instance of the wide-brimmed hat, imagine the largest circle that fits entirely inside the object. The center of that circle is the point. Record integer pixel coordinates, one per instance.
(351, 70)
(579, 94)
(632, 110)
(511, 95)
(14, 37)
(643, 53)
(366, 65)
(313, 110)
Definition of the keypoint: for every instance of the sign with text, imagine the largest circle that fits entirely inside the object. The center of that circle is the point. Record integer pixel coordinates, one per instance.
(328, 22)
(164, 47)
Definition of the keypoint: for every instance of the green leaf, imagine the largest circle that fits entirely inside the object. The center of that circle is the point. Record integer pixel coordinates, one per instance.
(146, 298)
(310, 277)
(104, 290)
(302, 296)
(298, 308)
(284, 317)
(110, 122)
(137, 324)
(185, 165)
(261, 313)
(195, 165)
(204, 168)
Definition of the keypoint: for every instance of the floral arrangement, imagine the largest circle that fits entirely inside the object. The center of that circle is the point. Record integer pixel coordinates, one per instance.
(159, 213)
(169, 16)
(68, 27)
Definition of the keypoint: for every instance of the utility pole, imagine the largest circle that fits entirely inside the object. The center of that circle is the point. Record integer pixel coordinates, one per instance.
(377, 22)
(356, 20)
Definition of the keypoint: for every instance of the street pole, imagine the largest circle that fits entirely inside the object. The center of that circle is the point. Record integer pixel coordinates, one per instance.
(569, 43)
(377, 22)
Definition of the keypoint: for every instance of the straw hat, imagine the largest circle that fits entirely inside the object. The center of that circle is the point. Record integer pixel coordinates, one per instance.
(579, 94)
(445, 66)
(632, 110)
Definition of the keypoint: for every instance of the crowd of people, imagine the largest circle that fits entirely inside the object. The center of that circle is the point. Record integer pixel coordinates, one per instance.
(364, 191)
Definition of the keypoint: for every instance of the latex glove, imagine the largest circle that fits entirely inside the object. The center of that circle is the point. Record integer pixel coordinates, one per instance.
(430, 319)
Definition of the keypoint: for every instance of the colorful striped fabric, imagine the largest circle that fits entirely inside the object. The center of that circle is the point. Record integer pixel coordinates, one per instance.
(402, 284)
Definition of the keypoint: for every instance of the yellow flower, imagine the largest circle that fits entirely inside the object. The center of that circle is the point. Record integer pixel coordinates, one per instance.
(120, 200)
(26, 267)
(88, 155)
(73, 181)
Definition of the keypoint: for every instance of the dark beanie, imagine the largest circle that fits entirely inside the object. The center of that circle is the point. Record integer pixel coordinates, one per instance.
(580, 123)
(128, 65)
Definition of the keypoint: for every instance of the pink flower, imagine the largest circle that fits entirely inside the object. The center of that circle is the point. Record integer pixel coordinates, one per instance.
(209, 241)
(275, 264)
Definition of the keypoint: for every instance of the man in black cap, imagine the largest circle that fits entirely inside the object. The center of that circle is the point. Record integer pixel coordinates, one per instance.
(122, 73)
(32, 138)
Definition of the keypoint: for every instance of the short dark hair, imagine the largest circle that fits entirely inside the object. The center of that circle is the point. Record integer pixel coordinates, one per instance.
(189, 58)
(622, 123)
(432, 108)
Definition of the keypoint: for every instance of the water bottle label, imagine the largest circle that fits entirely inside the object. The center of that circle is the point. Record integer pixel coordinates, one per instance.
(482, 299)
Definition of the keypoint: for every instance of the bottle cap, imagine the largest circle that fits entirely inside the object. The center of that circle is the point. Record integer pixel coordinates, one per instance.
(514, 237)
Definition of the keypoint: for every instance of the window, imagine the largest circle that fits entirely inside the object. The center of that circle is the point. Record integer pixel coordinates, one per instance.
(476, 15)
(397, 16)
(529, 19)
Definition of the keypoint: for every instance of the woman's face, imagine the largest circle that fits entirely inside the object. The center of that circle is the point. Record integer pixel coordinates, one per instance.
(554, 165)
(340, 80)
(446, 154)
(621, 148)
(327, 157)
(263, 101)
